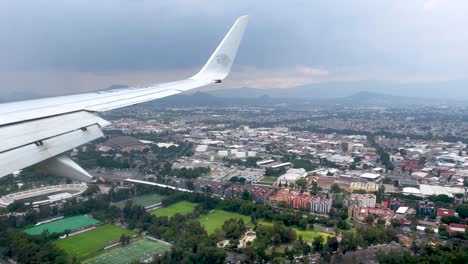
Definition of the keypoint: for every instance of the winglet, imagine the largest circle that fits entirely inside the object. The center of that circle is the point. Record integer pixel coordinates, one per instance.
(219, 64)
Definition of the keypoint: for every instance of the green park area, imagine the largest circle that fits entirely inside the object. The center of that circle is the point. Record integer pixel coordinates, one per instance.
(59, 226)
(308, 235)
(144, 200)
(182, 208)
(215, 219)
(89, 243)
(138, 251)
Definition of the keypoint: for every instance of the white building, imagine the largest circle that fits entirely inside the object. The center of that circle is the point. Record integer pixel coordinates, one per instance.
(362, 200)
(223, 153)
(370, 176)
(291, 176)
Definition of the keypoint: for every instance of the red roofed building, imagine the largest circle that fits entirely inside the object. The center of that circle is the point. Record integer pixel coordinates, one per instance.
(454, 228)
(371, 156)
(445, 212)
(297, 200)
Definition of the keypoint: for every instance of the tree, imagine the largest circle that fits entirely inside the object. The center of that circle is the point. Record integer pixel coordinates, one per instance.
(317, 244)
(369, 219)
(234, 179)
(233, 228)
(17, 206)
(302, 183)
(332, 244)
(422, 161)
(462, 210)
(91, 190)
(242, 180)
(190, 185)
(335, 188)
(245, 195)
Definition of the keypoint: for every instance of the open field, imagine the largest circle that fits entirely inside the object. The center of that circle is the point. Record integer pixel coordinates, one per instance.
(268, 180)
(88, 243)
(177, 208)
(144, 200)
(308, 235)
(139, 250)
(59, 226)
(216, 219)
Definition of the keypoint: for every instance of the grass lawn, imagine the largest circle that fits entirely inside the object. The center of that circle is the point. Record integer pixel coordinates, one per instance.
(88, 243)
(140, 250)
(308, 235)
(177, 208)
(144, 200)
(268, 180)
(61, 225)
(216, 219)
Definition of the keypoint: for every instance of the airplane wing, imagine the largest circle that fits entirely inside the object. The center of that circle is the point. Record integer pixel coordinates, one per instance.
(37, 132)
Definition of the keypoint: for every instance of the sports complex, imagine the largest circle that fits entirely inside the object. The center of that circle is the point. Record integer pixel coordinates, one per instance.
(140, 250)
(91, 241)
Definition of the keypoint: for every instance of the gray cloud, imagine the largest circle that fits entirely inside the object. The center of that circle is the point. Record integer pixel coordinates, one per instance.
(50, 44)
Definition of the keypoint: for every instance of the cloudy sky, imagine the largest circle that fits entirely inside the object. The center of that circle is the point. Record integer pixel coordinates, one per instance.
(51, 47)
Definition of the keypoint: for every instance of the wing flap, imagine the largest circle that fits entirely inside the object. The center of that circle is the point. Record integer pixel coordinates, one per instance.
(30, 154)
(21, 134)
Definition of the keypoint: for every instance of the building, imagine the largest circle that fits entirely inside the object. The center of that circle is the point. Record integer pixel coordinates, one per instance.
(347, 146)
(125, 144)
(395, 203)
(320, 204)
(291, 176)
(296, 200)
(364, 186)
(362, 200)
(370, 176)
(445, 212)
(457, 228)
(426, 208)
(360, 213)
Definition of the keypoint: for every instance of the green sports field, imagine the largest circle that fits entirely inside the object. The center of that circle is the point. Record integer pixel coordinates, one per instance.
(88, 243)
(268, 180)
(144, 200)
(177, 208)
(59, 226)
(216, 219)
(139, 250)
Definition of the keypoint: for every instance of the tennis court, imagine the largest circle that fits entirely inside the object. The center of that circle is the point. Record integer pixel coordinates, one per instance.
(59, 226)
(140, 250)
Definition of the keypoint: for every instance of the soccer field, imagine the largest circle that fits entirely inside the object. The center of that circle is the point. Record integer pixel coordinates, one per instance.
(144, 200)
(177, 208)
(90, 242)
(216, 219)
(59, 226)
(140, 250)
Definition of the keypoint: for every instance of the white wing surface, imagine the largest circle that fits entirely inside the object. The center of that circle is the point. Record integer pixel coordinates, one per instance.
(39, 131)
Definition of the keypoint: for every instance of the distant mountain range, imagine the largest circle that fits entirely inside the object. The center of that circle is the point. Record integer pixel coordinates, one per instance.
(449, 90)
(364, 92)
(368, 99)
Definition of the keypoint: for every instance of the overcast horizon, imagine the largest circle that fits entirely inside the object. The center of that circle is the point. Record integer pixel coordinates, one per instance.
(55, 48)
